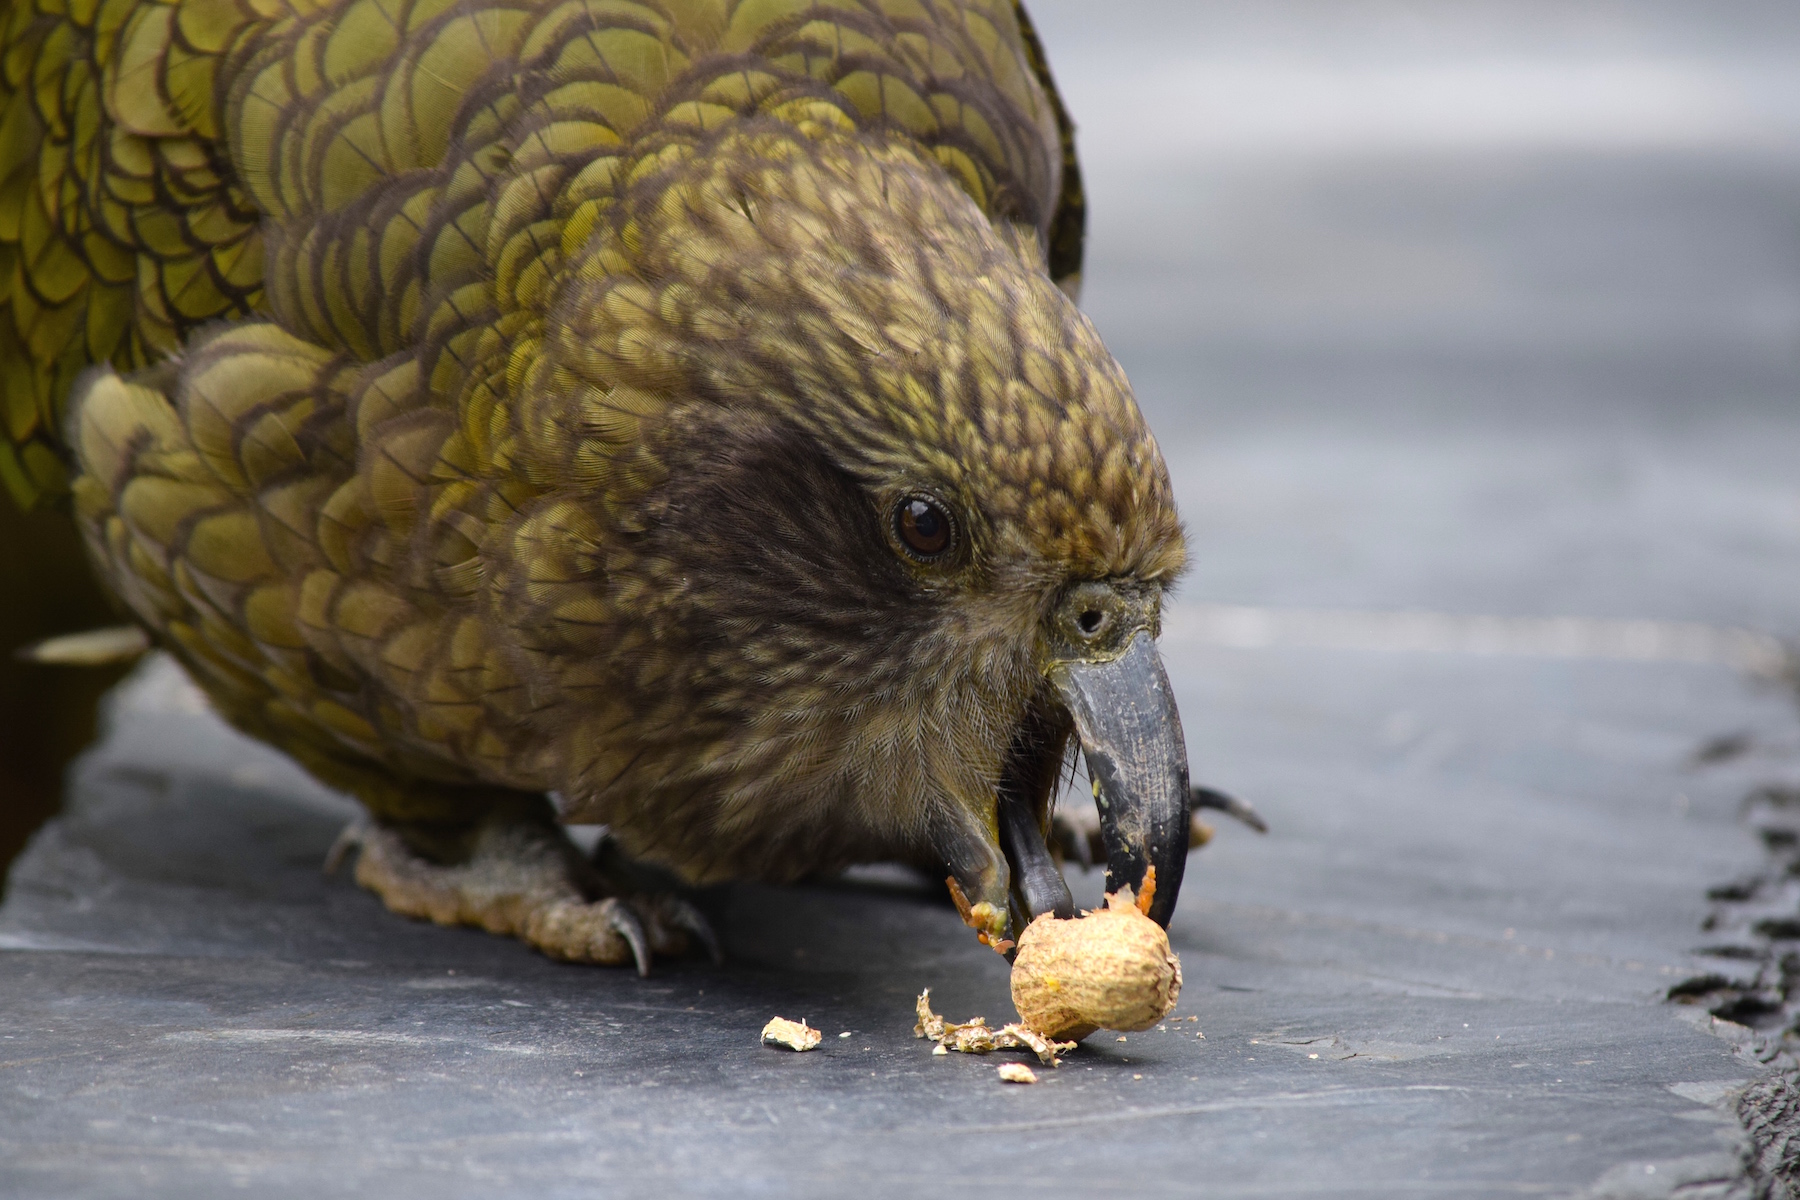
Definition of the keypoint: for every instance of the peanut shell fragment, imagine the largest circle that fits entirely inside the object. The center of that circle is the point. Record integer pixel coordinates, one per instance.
(790, 1035)
(974, 1037)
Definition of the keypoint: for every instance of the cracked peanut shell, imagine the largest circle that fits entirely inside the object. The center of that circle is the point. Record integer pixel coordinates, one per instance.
(1109, 969)
(790, 1035)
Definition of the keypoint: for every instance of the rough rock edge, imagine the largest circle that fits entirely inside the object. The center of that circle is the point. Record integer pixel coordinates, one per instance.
(1752, 997)
(1769, 1110)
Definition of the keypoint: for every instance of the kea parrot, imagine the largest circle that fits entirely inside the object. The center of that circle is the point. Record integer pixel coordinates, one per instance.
(665, 414)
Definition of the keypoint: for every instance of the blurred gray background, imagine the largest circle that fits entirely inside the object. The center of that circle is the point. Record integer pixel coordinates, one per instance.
(1384, 273)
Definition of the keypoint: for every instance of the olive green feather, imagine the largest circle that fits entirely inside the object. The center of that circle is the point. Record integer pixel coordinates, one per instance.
(143, 143)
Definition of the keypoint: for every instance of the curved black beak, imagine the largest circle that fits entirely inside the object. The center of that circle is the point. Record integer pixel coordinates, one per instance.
(1130, 735)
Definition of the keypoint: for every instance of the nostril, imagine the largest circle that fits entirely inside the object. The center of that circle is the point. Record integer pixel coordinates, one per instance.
(1091, 621)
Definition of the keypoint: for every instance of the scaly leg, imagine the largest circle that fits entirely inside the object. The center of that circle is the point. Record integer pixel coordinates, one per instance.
(522, 878)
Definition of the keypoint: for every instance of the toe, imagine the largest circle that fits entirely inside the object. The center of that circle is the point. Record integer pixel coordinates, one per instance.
(607, 932)
(625, 924)
(684, 916)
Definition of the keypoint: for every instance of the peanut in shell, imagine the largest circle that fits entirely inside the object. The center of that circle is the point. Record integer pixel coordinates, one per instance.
(1109, 969)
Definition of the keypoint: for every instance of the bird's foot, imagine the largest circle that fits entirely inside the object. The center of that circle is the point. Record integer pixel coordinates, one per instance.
(527, 881)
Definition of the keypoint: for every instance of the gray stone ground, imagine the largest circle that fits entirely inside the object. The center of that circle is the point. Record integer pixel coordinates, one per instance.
(1457, 307)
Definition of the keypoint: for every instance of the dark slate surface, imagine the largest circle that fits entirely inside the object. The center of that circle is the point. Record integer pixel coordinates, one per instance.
(1462, 362)
(188, 1007)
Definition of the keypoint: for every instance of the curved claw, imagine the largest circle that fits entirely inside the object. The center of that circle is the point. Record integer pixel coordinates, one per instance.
(351, 839)
(1205, 797)
(622, 921)
(683, 915)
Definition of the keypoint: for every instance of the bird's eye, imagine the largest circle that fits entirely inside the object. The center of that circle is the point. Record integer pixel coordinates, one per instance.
(924, 527)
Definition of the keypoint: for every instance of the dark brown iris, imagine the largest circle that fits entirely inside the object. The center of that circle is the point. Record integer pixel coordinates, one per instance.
(924, 527)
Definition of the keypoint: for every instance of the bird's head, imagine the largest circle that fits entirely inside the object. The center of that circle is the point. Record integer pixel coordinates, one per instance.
(866, 526)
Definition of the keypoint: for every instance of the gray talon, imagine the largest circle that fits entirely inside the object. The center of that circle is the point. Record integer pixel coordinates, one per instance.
(683, 915)
(350, 839)
(1205, 797)
(625, 923)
